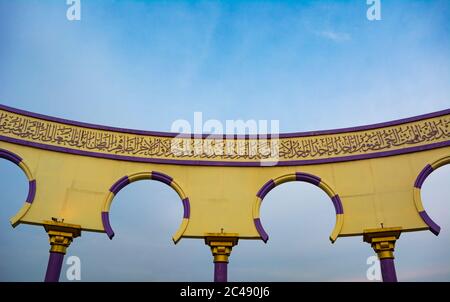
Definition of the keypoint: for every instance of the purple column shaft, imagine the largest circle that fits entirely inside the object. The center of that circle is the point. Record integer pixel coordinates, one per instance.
(388, 270)
(54, 266)
(220, 271)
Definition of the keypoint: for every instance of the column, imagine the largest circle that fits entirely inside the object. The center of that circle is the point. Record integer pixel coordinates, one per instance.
(60, 236)
(221, 245)
(383, 242)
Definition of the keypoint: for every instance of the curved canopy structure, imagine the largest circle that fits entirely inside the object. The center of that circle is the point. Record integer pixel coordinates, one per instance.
(373, 174)
(372, 169)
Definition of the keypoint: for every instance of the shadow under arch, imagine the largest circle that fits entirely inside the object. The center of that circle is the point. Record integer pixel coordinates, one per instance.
(16, 159)
(153, 175)
(298, 176)
(426, 171)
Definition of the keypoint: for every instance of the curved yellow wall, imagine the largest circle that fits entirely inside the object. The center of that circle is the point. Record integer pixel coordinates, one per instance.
(373, 175)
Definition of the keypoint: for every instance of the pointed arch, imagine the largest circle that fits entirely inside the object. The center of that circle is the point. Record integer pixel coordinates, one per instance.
(16, 159)
(426, 171)
(298, 176)
(154, 175)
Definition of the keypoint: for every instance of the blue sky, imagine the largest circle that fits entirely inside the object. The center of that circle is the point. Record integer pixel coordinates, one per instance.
(144, 64)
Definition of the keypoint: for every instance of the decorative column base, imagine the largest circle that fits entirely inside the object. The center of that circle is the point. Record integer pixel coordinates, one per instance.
(383, 243)
(221, 245)
(60, 236)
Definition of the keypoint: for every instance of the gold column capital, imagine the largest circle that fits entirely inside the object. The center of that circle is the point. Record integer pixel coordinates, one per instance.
(221, 245)
(61, 235)
(383, 240)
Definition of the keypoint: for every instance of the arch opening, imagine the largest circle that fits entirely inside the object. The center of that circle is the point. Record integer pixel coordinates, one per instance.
(423, 175)
(153, 175)
(17, 160)
(302, 177)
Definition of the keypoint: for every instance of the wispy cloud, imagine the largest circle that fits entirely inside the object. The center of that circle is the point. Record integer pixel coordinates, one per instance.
(334, 36)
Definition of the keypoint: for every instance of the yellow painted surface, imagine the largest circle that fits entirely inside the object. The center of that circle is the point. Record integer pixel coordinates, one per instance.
(373, 191)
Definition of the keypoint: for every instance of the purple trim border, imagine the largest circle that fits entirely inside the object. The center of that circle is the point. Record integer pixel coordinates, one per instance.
(186, 208)
(119, 185)
(337, 204)
(12, 157)
(171, 134)
(261, 230)
(158, 176)
(31, 191)
(422, 176)
(226, 163)
(434, 227)
(106, 225)
(266, 189)
(306, 177)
